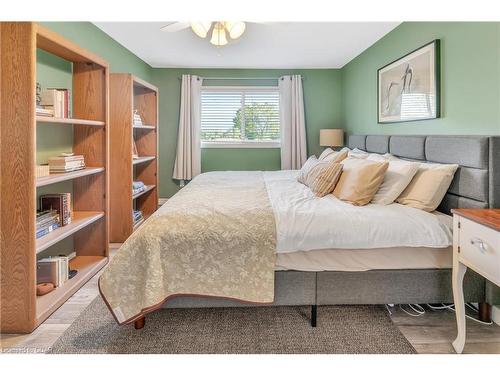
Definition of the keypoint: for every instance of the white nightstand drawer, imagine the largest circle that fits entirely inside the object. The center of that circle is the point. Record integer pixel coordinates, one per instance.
(480, 248)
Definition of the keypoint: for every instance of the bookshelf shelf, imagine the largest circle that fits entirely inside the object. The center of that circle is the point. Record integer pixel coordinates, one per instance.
(59, 177)
(21, 310)
(79, 221)
(68, 121)
(144, 127)
(87, 266)
(129, 94)
(147, 190)
(143, 159)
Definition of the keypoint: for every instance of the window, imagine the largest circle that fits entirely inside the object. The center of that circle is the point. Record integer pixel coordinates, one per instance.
(240, 117)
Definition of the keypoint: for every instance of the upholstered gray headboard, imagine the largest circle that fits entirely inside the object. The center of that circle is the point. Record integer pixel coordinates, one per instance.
(477, 181)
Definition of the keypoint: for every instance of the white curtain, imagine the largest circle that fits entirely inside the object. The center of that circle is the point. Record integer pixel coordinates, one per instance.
(188, 158)
(293, 127)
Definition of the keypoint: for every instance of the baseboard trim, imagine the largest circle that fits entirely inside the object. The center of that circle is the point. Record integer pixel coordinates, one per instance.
(495, 314)
(162, 201)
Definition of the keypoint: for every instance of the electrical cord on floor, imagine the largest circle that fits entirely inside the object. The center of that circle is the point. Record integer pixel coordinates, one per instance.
(418, 310)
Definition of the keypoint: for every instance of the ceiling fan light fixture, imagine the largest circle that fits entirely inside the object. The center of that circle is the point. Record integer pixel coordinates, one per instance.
(235, 28)
(219, 35)
(201, 28)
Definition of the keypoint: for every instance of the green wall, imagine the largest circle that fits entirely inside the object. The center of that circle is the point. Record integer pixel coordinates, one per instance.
(90, 37)
(470, 79)
(322, 97)
(470, 60)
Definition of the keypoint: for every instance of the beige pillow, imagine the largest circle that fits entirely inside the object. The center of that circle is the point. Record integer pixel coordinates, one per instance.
(428, 187)
(396, 179)
(323, 177)
(360, 180)
(311, 162)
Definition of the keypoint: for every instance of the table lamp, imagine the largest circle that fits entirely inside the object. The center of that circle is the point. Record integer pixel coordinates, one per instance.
(331, 137)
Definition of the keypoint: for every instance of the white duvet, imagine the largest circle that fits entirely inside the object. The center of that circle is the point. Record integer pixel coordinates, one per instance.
(305, 222)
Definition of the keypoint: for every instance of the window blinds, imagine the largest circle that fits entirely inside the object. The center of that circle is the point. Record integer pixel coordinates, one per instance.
(240, 115)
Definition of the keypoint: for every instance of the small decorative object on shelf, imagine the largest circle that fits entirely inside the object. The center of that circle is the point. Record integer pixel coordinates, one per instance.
(67, 162)
(135, 153)
(137, 118)
(61, 203)
(44, 288)
(42, 170)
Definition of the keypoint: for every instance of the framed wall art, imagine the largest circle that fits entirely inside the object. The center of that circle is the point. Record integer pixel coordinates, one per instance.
(408, 89)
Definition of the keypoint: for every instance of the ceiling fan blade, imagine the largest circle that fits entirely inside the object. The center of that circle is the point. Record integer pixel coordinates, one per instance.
(173, 27)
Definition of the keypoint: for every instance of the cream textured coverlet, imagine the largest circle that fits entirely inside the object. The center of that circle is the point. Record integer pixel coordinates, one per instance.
(216, 237)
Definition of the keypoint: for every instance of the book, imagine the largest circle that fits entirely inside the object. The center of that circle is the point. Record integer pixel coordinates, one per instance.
(58, 100)
(53, 270)
(46, 222)
(46, 230)
(60, 203)
(61, 164)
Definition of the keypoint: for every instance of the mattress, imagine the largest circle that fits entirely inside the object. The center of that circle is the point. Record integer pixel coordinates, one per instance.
(365, 259)
(305, 222)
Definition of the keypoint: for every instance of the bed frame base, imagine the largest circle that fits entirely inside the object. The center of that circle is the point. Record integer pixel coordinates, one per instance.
(314, 315)
(484, 315)
(484, 312)
(140, 323)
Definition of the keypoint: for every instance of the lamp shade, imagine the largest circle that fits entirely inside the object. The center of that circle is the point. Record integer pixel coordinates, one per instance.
(201, 28)
(219, 35)
(331, 137)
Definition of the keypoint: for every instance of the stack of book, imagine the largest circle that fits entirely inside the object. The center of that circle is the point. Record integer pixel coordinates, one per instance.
(61, 203)
(61, 164)
(137, 216)
(55, 102)
(137, 119)
(137, 187)
(43, 111)
(53, 270)
(46, 222)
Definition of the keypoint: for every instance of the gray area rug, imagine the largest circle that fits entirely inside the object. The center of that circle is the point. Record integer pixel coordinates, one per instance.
(341, 329)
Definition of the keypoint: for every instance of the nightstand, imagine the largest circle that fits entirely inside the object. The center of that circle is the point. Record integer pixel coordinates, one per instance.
(476, 245)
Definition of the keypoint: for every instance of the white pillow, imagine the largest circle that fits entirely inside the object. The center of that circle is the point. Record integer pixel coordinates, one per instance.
(311, 162)
(328, 153)
(357, 153)
(396, 179)
(325, 153)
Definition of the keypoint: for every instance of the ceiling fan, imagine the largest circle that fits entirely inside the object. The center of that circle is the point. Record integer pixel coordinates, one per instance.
(220, 29)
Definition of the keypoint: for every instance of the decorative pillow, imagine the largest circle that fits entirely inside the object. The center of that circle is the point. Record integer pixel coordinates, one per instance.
(311, 162)
(325, 153)
(357, 153)
(428, 188)
(323, 177)
(360, 180)
(335, 156)
(396, 179)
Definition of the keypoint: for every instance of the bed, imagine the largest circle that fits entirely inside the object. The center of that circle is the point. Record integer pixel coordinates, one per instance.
(400, 255)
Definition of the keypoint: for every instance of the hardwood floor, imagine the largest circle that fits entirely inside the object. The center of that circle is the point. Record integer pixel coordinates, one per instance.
(430, 333)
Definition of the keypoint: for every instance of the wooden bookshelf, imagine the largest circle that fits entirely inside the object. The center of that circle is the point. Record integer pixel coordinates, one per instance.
(21, 310)
(127, 94)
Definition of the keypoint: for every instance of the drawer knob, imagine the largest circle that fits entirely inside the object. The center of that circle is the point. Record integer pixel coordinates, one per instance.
(478, 243)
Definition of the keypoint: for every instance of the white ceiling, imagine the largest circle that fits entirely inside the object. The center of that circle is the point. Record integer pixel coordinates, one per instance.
(263, 45)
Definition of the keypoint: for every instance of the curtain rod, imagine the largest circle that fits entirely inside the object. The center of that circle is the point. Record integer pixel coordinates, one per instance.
(242, 78)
